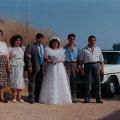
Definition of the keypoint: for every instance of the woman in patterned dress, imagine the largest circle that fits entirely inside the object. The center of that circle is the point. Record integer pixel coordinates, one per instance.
(16, 67)
(3, 67)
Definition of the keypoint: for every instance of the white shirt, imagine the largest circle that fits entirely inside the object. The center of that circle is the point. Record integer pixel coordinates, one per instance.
(42, 50)
(89, 56)
(3, 48)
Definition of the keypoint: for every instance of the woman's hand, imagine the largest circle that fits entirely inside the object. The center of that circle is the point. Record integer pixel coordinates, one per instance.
(8, 68)
(48, 60)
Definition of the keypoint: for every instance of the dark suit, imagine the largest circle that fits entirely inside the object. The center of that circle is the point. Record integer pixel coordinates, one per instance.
(35, 78)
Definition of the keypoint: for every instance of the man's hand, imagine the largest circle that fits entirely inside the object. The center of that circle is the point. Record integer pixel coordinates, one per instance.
(81, 71)
(28, 56)
(29, 70)
(102, 74)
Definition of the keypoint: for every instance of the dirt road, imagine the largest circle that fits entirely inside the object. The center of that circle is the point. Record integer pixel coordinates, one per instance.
(109, 110)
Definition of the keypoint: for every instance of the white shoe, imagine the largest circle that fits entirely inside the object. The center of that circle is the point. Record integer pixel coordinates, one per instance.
(14, 100)
(21, 100)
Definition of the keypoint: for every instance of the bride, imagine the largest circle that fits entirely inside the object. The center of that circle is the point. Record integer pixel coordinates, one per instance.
(55, 87)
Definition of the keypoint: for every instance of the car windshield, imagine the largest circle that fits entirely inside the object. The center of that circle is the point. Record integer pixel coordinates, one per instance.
(111, 57)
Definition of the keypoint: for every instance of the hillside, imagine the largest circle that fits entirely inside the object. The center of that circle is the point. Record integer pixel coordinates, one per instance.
(25, 29)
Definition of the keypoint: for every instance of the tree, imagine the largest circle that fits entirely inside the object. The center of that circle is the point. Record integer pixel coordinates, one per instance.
(116, 46)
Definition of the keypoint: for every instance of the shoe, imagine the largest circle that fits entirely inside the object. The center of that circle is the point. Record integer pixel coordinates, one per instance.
(14, 100)
(37, 101)
(99, 101)
(31, 101)
(4, 101)
(74, 100)
(86, 101)
(21, 100)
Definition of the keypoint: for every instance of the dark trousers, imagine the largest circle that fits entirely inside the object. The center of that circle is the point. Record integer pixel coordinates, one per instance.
(71, 70)
(34, 84)
(92, 77)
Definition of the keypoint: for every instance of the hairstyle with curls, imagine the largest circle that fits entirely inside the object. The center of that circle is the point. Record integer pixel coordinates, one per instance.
(14, 38)
(52, 41)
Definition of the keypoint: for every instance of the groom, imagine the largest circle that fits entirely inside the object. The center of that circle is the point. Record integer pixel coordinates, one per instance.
(35, 59)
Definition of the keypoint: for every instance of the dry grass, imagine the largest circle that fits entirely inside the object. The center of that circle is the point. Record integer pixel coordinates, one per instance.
(26, 30)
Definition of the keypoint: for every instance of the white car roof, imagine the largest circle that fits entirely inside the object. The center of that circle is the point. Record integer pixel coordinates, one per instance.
(111, 51)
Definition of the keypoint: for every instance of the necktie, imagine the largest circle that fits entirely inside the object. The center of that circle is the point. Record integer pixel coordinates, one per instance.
(41, 55)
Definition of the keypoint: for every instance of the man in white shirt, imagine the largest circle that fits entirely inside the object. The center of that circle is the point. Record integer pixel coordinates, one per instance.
(92, 59)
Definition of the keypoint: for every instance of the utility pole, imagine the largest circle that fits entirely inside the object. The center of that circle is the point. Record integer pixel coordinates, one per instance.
(29, 11)
(28, 21)
(17, 9)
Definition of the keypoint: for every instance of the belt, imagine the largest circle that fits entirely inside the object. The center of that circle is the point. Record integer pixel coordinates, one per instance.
(70, 61)
(92, 62)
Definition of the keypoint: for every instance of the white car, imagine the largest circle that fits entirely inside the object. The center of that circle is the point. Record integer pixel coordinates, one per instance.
(111, 81)
(110, 85)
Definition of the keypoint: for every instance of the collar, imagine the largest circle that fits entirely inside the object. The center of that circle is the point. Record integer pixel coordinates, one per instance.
(90, 47)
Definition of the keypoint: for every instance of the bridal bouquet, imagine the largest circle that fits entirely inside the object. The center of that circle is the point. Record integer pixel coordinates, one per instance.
(55, 59)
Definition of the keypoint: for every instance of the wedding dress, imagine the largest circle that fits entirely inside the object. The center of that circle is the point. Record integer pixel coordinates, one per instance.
(55, 87)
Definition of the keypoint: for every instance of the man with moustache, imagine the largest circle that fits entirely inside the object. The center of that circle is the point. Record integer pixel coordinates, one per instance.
(92, 59)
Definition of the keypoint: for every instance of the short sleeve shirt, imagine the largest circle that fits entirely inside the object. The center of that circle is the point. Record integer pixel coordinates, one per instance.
(89, 56)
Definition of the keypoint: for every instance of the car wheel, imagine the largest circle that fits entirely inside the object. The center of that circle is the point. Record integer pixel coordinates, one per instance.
(111, 86)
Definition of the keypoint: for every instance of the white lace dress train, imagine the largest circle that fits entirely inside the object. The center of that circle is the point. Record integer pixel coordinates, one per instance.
(55, 87)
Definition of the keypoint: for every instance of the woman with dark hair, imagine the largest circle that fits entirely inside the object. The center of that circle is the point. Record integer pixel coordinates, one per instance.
(54, 41)
(4, 66)
(16, 67)
(55, 87)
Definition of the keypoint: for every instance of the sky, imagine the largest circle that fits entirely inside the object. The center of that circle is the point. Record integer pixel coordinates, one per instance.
(82, 17)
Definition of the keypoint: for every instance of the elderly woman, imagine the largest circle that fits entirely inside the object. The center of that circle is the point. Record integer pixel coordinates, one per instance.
(16, 67)
(3, 67)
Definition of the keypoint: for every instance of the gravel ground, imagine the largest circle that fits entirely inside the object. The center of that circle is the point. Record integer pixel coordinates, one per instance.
(109, 110)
